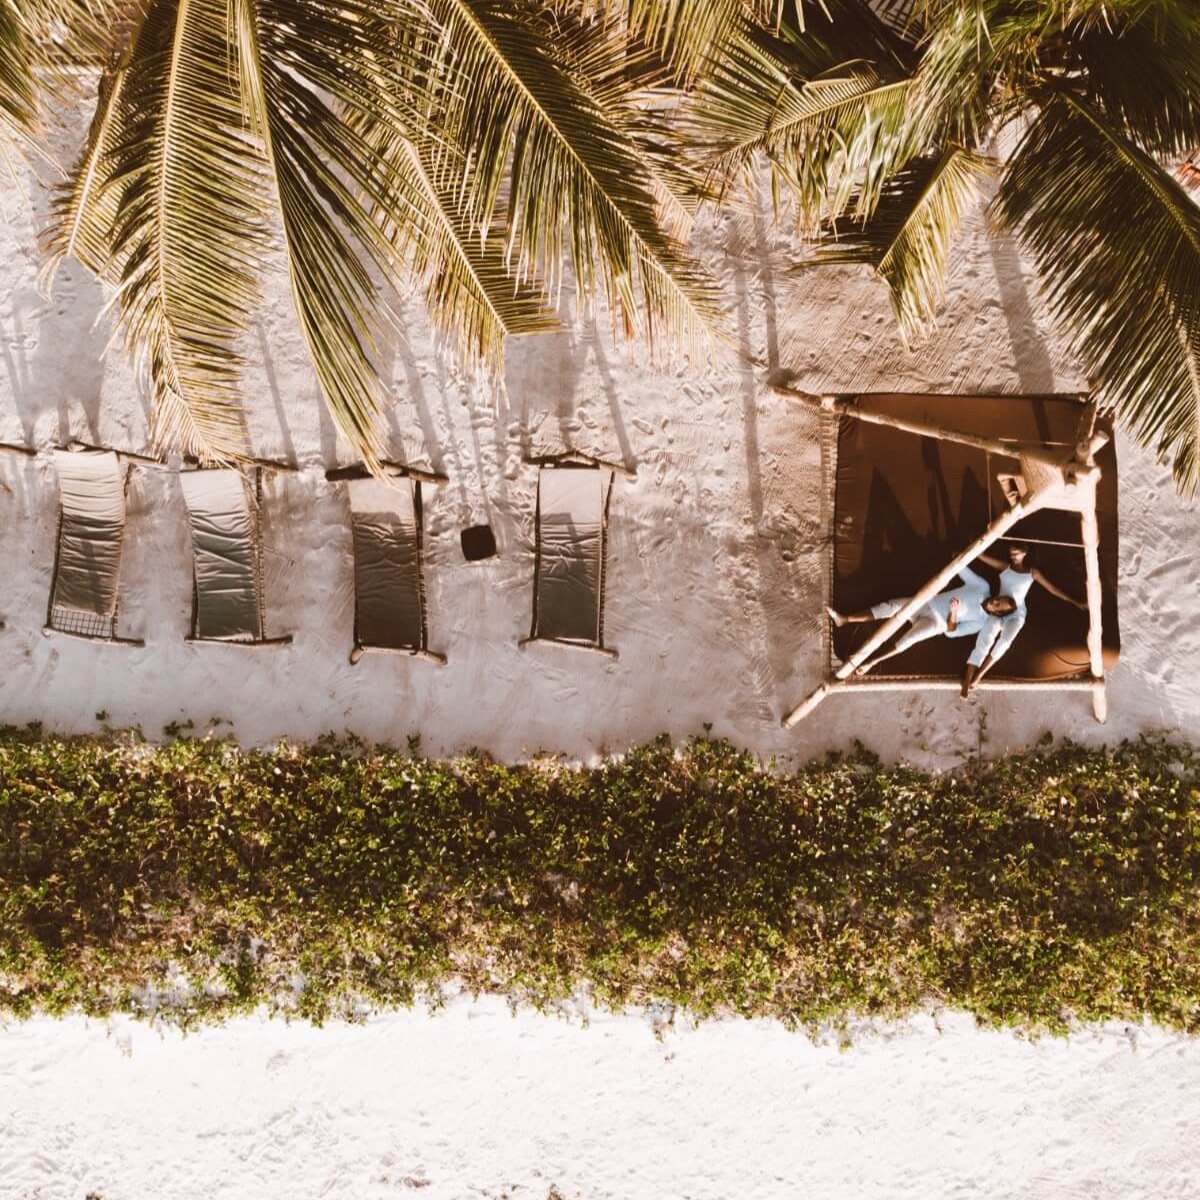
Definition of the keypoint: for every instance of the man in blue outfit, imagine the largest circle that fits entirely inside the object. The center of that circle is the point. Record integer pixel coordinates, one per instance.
(964, 611)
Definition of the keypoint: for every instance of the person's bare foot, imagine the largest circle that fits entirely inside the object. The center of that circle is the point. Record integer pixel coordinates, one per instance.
(835, 616)
(965, 691)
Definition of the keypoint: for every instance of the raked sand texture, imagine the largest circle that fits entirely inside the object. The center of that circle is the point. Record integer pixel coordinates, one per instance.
(716, 551)
(475, 1104)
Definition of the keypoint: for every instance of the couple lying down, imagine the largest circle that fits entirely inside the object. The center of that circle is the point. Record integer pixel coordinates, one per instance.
(968, 610)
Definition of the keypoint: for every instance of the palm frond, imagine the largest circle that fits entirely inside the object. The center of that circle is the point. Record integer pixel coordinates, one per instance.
(908, 238)
(687, 32)
(332, 250)
(1143, 73)
(38, 40)
(574, 181)
(1116, 240)
(472, 297)
(188, 238)
(833, 127)
(85, 207)
(18, 98)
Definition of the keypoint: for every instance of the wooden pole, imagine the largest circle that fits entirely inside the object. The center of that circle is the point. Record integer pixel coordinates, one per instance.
(948, 684)
(392, 470)
(1095, 603)
(578, 458)
(1011, 449)
(142, 460)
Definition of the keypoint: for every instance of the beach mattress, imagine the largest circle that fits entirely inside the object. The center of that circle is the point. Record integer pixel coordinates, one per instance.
(905, 504)
(225, 555)
(92, 498)
(570, 553)
(387, 564)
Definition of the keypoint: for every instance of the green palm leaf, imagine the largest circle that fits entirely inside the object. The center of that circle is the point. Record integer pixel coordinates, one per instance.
(471, 294)
(1117, 242)
(907, 240)
(833, 124)
(84, 209)
(18, 100)
(575, 182)
(188, 235)
(43, 43)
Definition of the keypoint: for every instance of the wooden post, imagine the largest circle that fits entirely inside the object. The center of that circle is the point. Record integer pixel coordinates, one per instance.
(142, 460)
(1010, 449)
(1095, 603)
(808, 704)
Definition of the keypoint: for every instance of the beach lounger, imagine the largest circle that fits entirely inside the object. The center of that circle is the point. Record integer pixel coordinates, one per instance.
(227, 558)
(91, 530)
(570, 553)
(389, 584)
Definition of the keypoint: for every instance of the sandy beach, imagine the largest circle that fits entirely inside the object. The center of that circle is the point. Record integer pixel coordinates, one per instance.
(477, 1103)
(717, 550)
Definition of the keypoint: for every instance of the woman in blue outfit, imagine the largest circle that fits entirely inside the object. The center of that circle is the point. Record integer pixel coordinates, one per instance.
(1017, 577)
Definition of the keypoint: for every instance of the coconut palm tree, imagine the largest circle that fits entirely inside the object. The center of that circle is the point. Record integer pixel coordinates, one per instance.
(471, 145)
(885, 122)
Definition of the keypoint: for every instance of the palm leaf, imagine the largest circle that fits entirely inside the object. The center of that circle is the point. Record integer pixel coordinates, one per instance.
(293, 54)
(188, 237)
(574, 180)
(85, 207)
(834, 125)
(1117, 242)
(471, 295)
(1143, 73)
(907, 240)
(18, 101)
(44, 43)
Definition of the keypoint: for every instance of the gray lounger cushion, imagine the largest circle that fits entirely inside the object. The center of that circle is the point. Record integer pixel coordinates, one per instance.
(92, 495)
(387, 564)
(225, 550)
(570, 561)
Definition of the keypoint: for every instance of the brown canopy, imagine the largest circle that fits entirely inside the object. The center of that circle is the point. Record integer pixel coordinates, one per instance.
(905, 504)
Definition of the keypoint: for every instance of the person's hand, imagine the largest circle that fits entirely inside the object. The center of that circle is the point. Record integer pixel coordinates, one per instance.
(954, 604)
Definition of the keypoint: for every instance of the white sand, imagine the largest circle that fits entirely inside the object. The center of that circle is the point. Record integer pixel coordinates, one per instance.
(477, 1103)
(715, 583)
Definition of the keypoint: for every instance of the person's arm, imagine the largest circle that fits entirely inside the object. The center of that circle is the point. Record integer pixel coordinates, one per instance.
(995, 563)
(1057, 591)
(965, 628)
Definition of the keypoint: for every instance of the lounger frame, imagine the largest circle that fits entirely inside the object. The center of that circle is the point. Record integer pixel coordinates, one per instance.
(419, 476)
(574, 461)
(88, 626)
(194, 637)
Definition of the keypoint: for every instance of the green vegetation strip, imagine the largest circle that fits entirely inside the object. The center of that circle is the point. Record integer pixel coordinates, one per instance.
(198, 880)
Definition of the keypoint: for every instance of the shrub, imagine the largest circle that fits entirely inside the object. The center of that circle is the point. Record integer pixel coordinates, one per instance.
(199, 880)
